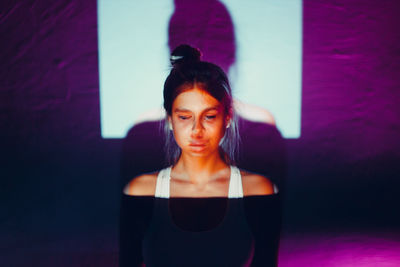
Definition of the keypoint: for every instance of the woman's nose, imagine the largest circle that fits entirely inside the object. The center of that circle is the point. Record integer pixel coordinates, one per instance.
(197, 127)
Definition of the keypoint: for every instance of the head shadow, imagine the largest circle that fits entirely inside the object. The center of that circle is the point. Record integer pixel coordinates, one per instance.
(206, 25)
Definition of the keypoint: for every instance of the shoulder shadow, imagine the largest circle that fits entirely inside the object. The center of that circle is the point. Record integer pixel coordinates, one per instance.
(142, 185)
(256, 184)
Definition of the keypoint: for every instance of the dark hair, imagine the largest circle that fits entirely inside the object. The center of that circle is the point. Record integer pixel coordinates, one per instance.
(188, 70)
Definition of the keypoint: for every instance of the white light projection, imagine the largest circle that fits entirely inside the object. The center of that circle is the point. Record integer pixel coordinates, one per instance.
(133, 60)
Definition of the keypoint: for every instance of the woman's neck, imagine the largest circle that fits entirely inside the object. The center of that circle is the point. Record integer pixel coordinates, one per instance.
(200, 170)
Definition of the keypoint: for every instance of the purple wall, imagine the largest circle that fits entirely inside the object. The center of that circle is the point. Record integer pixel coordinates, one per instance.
(60, 180)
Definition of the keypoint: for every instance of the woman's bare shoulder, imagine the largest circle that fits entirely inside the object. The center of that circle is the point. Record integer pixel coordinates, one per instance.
(142, 185)
(256, 184)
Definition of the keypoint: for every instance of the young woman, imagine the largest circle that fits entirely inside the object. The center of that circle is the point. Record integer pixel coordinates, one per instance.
(202, 210)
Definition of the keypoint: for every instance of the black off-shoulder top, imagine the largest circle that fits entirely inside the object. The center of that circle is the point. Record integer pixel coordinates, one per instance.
(263, 215)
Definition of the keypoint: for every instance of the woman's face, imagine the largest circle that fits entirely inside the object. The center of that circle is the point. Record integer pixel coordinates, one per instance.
(198, 122)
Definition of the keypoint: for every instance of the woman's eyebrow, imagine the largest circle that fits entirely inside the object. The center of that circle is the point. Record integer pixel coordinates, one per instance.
(176, 110)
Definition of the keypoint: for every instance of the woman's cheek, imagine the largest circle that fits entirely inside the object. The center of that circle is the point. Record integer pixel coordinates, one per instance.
(181, 132)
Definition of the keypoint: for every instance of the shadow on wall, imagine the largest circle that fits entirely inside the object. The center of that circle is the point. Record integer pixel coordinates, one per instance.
(208, 26)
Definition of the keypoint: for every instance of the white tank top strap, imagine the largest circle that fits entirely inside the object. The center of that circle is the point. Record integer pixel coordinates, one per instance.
(276, 190)
(235, 183)
(162, 185)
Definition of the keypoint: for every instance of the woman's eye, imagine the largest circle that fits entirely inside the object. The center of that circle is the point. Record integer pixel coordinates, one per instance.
(184, 117)
(210, 117)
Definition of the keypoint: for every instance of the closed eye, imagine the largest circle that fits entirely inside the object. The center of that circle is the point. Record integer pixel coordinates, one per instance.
(210, 117)
(183, 117)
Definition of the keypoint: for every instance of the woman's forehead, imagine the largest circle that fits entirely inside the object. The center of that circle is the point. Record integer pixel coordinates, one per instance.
(196, 99)
(182, 110)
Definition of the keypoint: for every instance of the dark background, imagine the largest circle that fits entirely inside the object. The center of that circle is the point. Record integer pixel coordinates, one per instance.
(59, 186)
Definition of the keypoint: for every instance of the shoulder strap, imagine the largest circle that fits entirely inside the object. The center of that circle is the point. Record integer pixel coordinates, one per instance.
(235, 183)
(162, 185)
(276, 190)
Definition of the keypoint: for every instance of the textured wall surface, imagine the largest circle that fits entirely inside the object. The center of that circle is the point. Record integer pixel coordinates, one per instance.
(59, 179)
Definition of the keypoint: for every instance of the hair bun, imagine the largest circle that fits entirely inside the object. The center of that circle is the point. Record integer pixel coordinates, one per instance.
(184, 53)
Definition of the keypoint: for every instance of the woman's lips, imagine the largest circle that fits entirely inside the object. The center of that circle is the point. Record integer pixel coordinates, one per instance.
(197, 144)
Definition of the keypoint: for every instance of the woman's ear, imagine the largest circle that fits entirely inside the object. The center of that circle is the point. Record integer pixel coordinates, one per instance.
(169, 121)
(228, 121)
(228, 117)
